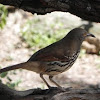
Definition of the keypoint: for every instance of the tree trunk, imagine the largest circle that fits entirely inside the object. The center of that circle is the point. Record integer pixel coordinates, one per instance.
(86, 9)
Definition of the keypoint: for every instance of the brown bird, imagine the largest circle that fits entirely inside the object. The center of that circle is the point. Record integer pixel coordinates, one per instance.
(55, 58)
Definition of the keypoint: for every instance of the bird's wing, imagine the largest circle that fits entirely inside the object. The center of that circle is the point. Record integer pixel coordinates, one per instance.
(48, 56)
(53, 52)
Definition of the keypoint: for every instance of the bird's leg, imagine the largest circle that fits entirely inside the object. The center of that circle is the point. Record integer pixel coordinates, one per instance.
(50, 77)
(41, 75)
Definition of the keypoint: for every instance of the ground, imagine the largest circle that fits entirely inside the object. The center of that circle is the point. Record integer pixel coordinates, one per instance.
(84, 73)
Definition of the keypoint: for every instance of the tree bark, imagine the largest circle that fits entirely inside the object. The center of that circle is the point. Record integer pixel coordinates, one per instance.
(49, 94)
(86, 9)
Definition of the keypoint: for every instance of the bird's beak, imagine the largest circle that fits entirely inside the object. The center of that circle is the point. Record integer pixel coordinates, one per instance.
(89, 34)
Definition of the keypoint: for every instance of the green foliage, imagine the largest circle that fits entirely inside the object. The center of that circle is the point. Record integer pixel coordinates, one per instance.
(99, 53)
(42, 32)
(14, 84)
(9, 83)
(3, 16)
(9, 58)
(2, 75)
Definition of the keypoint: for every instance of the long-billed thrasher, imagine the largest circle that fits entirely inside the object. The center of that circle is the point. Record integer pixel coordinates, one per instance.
(55, 58)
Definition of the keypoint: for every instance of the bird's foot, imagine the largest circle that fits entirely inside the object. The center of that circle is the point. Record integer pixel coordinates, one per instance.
(62, 89)
(59, 89)
(53, 88)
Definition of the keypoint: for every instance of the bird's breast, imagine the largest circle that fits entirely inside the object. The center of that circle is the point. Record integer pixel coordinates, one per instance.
(56, 67)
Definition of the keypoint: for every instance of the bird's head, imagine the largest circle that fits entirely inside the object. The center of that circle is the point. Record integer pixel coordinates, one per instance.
(79, 34)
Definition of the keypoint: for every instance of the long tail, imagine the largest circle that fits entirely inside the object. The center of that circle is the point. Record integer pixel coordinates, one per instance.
(13, 67)
(31, 65)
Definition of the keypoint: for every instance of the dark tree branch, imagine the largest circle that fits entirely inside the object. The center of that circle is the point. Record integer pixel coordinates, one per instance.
(49, 94)
(86, 9)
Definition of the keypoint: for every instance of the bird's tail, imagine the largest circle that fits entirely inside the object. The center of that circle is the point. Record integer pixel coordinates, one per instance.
(13, 67)
(32, 66)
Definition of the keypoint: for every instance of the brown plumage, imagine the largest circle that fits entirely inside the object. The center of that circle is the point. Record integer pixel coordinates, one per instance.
(55, 58)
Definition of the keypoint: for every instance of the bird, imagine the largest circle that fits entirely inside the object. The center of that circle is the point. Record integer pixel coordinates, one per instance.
(56, 58)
